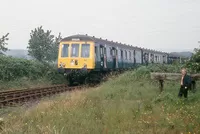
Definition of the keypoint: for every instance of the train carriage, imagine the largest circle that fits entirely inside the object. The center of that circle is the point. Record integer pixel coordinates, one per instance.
(82, 57)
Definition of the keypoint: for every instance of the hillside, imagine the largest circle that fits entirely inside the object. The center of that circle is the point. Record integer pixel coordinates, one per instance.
(182, 54)
(18, 53)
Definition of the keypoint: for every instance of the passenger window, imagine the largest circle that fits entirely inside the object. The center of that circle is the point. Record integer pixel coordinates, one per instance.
(110, 51)
(122, 54)
(105, 51)
(85, 50)
(75, 50)
(65, 50)
(113, 52)
(126, 57)
(101, 50)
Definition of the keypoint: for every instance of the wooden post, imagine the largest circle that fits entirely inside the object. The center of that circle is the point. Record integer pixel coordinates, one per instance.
(193, 85)
(173, 77)
(161, 85)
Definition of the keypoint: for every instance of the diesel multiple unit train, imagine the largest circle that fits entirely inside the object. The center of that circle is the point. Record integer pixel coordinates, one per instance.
(84, 58)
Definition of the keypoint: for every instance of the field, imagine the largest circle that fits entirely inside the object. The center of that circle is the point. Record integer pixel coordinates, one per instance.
(130, 103)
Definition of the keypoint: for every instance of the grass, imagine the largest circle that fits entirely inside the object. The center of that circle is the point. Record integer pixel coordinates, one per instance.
(127, 104)
(24, 83)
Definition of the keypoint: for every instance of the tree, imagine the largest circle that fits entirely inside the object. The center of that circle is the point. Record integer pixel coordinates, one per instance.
(55, 46)
(194, 62)
(3, 43)
(43, 46)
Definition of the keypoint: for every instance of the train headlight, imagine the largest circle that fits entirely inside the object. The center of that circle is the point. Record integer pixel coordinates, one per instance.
(72, 62)
(62, 65)
(85, 65)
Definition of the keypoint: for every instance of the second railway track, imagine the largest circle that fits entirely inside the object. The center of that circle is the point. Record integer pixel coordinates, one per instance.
(15, 97)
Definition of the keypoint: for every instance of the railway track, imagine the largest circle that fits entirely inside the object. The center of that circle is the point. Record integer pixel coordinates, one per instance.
(16, 97)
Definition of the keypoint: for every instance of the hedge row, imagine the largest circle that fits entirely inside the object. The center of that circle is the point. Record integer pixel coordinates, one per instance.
(14, 68)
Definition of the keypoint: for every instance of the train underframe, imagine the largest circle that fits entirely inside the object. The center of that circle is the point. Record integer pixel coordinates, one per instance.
(83, 76)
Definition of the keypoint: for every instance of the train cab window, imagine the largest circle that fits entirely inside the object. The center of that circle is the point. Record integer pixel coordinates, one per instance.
(85, 50)
(75, 50)
(65, 50)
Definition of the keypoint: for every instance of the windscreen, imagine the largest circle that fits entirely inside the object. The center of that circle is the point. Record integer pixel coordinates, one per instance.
(65, 50)
(85, 50)
(75, 50)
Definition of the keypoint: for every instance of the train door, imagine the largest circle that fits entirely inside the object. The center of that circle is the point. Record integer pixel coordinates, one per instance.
(114, 58)
(164, 59)
(134, 59)
(122, 59)
(116, 55)
(97, 61)
(103, 57)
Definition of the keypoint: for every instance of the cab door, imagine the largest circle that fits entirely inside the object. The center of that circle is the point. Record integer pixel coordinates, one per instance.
(103, 57)
(114, 57)
(122, 59)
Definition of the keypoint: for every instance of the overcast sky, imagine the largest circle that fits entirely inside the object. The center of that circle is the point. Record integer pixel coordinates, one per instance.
(167, 25)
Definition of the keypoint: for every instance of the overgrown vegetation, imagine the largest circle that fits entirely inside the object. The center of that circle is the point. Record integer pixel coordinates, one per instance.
(194, 62)
(3, 43)
(19, 73)
(14, 71)
(131, 103)
(43, 46)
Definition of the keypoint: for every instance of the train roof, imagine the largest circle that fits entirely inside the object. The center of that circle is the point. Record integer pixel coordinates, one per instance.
(86, 37)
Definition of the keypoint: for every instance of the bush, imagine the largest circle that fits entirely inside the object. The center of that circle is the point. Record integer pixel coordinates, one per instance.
(144, 71)
(165, 68)
(15, 68)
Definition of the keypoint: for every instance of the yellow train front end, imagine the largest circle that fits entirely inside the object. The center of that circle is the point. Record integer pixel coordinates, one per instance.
(76, 56)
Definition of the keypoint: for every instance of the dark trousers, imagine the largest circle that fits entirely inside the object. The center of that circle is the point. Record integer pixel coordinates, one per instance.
(183, 91)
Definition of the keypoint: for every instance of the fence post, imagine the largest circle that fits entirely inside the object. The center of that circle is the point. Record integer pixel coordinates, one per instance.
(161, 85)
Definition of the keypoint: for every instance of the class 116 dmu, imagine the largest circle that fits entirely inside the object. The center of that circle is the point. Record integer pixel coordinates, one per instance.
(85, 59)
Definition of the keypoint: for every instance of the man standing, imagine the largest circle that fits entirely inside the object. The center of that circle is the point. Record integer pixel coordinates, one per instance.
(185, 83)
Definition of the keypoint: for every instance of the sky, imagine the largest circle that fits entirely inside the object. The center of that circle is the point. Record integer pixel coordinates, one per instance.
(165, 25)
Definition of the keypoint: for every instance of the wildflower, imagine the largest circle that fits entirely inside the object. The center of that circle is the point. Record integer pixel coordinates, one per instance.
(1, 123)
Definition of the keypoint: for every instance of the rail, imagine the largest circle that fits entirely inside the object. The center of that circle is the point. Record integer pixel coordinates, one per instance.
(15, 97)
